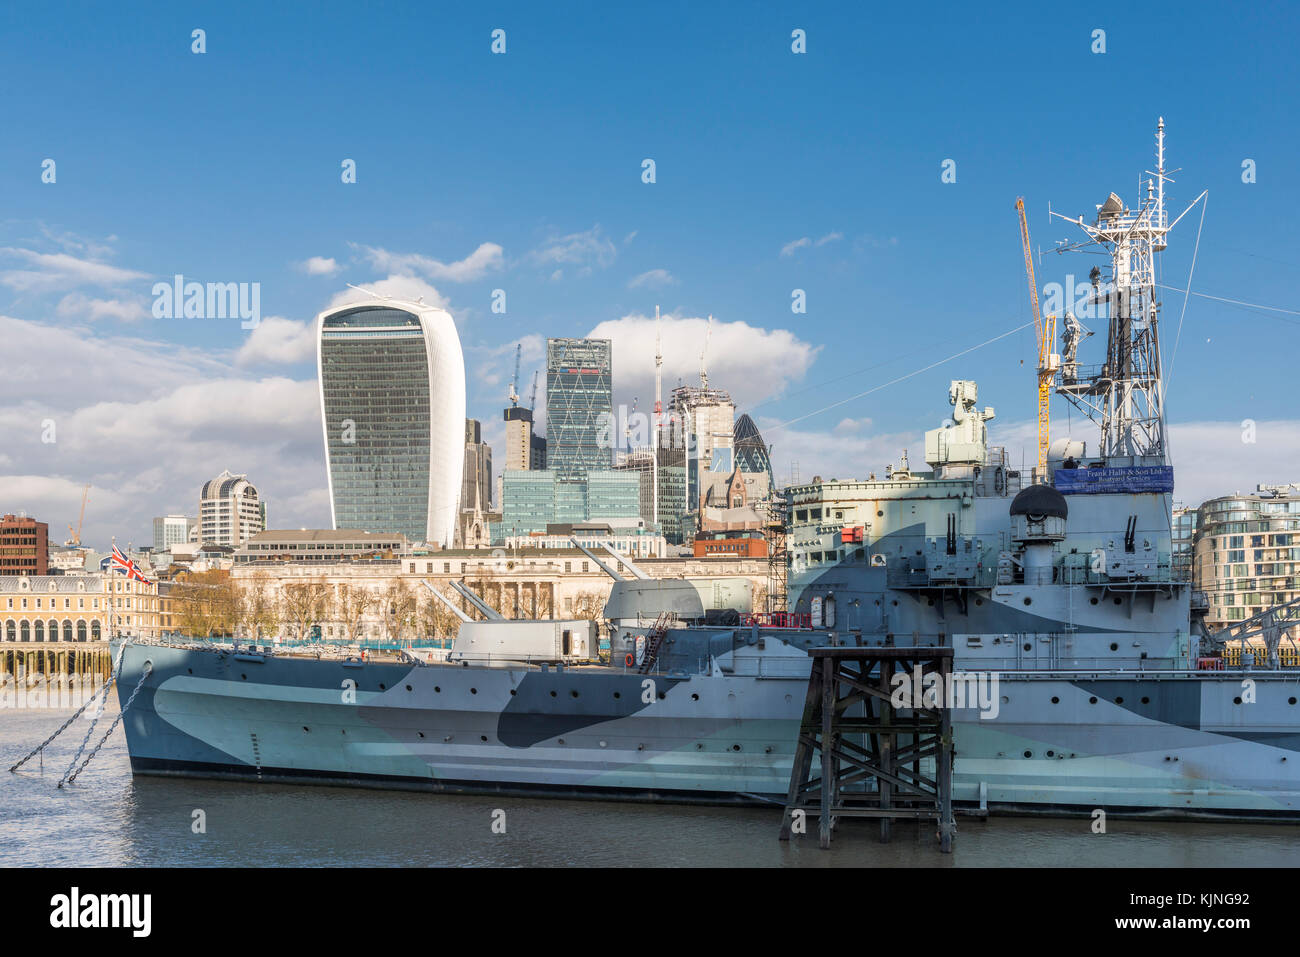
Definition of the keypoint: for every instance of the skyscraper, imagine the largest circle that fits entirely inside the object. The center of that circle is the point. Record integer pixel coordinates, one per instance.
(392, 379)
(230, 510)
(579, 404)
(476, 488)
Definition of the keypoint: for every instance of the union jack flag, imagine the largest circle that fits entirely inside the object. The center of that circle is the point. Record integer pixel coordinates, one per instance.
(127, 567)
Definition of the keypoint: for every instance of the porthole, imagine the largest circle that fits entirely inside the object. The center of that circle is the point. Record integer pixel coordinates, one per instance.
(699, 746)
(306, 730)
(695, 697)
(662, 695)
(1028, 646)
(482, 737)
(1290, 700)
(617, 695)
(1055, 700)
(473, 691)
(1092, 601)
(190, 670)
(1118, 601)
(1092, 700)
(513, 692)
(382, 687)
(243, 677)
(1028, 600)
(420, 733)
(1236, 700)
(1114, 647)
(735, 747)
(1146, 700)
(1029, 754)
(552, 694)
(978, 602)
(1119, 700)
(1051, 754)
(573, 694)
(408, 687)
(437, 690)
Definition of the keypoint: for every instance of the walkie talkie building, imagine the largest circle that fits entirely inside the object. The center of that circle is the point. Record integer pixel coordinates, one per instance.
(392, 383)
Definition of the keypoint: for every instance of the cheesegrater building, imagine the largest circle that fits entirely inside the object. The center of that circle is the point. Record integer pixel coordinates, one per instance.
(392, 381)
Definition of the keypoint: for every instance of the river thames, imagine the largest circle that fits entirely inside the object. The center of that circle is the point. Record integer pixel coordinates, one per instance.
(108, 818)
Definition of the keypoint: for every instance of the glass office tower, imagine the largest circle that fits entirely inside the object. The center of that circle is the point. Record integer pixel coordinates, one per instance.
(579, 400)
(392, 381)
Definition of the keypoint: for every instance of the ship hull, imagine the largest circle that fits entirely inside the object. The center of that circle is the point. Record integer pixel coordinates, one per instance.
(1058, 743)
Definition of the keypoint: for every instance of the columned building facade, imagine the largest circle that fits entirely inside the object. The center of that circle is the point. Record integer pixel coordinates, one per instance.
(75, 608)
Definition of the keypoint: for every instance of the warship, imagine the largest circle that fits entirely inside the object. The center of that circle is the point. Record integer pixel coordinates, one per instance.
(1055, 585)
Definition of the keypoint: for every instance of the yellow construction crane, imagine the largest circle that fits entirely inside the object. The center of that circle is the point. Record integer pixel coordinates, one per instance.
(74, 538)
(1047, 362)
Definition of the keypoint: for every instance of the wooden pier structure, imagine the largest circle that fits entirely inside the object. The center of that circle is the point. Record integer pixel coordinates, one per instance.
(56, 660)
(871, 751)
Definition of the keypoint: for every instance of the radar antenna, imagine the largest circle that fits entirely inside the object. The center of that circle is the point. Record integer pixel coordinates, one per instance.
(1125, 395)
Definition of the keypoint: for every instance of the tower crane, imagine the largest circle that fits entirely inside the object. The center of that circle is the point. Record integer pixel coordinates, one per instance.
(74, 537)
(514, 381)
(532, 396)
(1046, 333)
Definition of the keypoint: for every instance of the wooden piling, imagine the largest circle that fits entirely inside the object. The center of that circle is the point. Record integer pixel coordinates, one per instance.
(882, 777)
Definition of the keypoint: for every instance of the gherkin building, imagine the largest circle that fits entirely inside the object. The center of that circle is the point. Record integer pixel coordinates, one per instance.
(751, 451)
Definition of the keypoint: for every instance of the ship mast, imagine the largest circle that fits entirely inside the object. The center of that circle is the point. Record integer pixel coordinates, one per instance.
(1126, 394)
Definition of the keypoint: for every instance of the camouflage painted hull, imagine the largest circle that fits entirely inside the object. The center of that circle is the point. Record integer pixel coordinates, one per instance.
(1173, 744)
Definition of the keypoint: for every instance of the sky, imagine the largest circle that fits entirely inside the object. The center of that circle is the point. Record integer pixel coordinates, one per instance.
(525, 171)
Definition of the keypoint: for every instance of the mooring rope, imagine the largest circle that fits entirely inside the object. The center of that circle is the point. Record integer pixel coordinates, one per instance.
(144, 675)
(112, 676)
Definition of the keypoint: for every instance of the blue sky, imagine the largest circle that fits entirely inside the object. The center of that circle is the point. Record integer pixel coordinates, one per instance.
(522, 172)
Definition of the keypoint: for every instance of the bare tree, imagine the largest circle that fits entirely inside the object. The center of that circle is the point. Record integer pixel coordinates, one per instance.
(305, 603)
(258, 605)
(399, 606)
(354, 601)
(204, 603)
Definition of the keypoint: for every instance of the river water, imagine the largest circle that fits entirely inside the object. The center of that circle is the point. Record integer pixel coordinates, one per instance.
(109, 818)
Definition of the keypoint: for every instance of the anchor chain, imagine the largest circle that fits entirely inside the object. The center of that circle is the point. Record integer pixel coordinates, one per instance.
(148, 667)
(112, 677)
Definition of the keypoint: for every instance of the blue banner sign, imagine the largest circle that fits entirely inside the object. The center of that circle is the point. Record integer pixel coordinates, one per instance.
(1128, 480)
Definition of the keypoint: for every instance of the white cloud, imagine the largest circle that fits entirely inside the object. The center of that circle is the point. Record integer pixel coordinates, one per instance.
(847, 426)
(586, 250)
(59, 270)
(836, 453)
(750, 362)
(790, 248)
(278, 340)
(655, 278)
(1209, 458)
(398, 287)
(319, 266)
(75, 305)
(485, 259)
(185, 415)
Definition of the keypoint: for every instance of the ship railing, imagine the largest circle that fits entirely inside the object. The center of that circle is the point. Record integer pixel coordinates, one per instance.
(1112, 672)
(755, 666)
